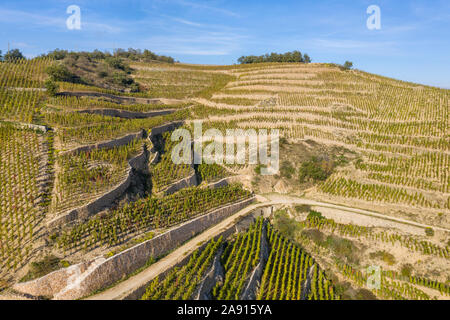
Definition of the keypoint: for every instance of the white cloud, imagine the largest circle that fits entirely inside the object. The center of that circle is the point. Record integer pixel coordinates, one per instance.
(23, 17)
(203, 6)
(187, 22)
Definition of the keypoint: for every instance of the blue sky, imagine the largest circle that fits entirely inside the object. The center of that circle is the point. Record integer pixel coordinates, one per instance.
(413, 43)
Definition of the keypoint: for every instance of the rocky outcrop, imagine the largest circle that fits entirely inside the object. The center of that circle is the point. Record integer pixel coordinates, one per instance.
(252, 287)
(307, 287)
(139, 163)
(82, 279)
(215, 274)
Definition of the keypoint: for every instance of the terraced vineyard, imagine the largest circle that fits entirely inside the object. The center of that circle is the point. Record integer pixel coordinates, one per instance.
(147, 214)
(281, 280)
(84, 176)
(181, 283)
(166, 172)
(291, 274)
(398, 130)
(87, 176)
(24, 195)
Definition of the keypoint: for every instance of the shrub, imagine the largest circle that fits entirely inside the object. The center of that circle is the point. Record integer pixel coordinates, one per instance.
(48, 264)
(347, 65)
(315, 170)
(286, 170)
(314, 214)
(406, 270)
(429, 232)
(59, 72)
(52, 87)
(302, 208)
(115, 63)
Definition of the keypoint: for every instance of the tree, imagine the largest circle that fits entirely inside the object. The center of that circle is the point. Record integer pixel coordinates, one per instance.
(59, 72)
(348, 65)
(51, 86)
(306, 58)
(14, 54)
(57, 54)
(1, 57)
(288, 57)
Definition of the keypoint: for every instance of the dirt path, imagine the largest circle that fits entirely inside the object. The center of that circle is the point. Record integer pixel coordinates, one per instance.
(124, 288)
(282, 199)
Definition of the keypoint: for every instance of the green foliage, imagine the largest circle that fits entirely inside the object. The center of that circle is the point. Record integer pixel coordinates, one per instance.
(315, 215)
(287, 170)
(48, 264)
(239, 262)
(294, 56)
(59, 72)
(146, 213)
(52, 87)
(116, 63)
(286, 272)
(82, 68)
(384, 256)
(166, 172)
(287, 226)
(181, 283)
(302, 208)
(347, 65)
(13, 55)
(131, 54)
(429, 232)
(406, 270)
(21, 206)
(343, 248)
(306, 58)
(315, 170)
(211, 172)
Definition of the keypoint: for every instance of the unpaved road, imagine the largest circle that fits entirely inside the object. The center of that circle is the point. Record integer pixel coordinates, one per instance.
(122, 289)
(282, 199)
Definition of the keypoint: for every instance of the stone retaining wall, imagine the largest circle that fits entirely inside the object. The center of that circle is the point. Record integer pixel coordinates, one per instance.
(109, 144)
(239, 226)
(139, 163)
(23, 125)
(165, 127)
(84, 212)
(125, 114)
(82, 279)
(187, 182)
(115, 98)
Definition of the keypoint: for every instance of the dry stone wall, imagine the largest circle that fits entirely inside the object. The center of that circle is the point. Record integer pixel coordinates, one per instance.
(109, 144)
(125, 114)
(84, 212)
(82, 279)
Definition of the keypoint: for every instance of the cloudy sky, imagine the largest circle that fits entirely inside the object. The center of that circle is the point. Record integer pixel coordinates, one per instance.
(413, 43)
